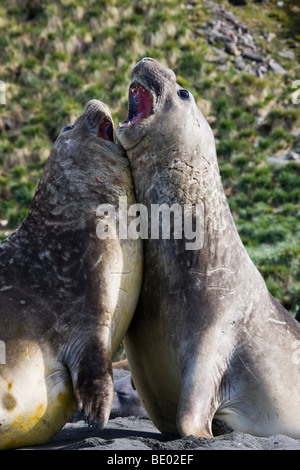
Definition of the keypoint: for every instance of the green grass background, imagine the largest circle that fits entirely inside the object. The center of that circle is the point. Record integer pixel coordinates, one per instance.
(55, 56)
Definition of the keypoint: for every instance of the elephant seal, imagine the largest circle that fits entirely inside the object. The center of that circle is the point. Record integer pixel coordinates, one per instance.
(207, 339)
(126, 400)
(66, 296)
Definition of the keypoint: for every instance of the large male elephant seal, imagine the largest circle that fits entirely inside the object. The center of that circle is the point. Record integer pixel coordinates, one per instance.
(207, 339)
(66, 296)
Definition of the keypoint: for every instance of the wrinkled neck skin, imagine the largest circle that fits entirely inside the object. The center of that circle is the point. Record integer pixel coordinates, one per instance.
(58, 237)
(72, 186)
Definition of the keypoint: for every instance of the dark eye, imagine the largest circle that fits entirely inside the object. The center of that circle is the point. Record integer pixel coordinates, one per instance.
(67, 128)
(183, 94)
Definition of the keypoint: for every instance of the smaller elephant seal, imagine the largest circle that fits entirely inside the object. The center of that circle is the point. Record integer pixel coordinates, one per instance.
(126, 400)
(67, 295)
(207, 340)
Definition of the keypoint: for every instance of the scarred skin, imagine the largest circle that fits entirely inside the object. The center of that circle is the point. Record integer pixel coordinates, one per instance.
(66, 297)
(207, 339)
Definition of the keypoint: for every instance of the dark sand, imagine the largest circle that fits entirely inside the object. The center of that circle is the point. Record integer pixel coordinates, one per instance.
(135, 434)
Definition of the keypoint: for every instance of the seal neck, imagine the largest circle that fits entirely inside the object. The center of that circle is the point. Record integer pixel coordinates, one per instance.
(195, 179)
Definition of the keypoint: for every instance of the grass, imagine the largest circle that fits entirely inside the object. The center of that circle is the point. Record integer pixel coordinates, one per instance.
(56, 56)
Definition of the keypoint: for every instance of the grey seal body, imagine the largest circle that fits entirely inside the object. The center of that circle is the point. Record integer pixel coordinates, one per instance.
(207, 339)
(126, 400)
(66, 296)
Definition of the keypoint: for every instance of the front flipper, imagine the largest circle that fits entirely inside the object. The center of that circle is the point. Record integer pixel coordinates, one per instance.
(199, 397)
(204, 368)
(196, 409)
(93, 382)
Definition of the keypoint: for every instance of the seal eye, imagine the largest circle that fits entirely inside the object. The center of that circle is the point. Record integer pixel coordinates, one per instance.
(183, 94)
(67, 128)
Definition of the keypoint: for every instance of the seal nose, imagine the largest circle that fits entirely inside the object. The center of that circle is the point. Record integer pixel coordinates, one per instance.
(143, 61)
(148, 65)
(146, 58)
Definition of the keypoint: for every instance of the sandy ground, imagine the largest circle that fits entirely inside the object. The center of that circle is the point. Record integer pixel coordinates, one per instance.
(136, 434)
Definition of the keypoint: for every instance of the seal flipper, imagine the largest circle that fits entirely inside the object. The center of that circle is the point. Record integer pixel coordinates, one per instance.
(196, 407)
(93, 383)
(199, 397)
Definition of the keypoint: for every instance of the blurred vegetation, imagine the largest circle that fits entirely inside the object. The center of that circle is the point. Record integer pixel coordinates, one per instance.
(55, 56)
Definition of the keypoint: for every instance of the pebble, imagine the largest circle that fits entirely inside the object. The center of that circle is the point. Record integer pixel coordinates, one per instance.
(237, 43)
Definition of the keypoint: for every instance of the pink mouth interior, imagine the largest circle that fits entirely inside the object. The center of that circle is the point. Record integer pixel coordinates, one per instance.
(105, 130)
(140, 104)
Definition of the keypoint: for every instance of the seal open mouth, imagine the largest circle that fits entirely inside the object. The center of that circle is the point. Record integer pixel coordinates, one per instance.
(105, 130)
(140, 104)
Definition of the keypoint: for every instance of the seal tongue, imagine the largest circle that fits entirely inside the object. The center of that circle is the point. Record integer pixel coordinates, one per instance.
(140, 104)
(105, 130)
